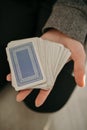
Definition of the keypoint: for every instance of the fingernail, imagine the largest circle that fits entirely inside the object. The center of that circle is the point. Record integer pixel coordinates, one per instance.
(83, 82)
(37, 104)
(19, 99)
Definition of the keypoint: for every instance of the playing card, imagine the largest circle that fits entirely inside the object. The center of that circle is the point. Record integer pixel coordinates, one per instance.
(45, 53)
(63, 60)
(26, 66)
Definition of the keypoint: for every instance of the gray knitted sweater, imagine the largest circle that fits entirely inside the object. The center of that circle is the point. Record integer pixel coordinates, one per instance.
(69, 17)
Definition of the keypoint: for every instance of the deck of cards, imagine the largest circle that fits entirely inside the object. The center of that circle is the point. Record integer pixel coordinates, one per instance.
(35, 63)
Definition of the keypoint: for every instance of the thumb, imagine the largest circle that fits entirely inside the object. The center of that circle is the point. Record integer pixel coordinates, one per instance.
(79, 72)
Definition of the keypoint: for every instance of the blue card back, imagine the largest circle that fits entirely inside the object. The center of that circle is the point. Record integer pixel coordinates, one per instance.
(25, 64)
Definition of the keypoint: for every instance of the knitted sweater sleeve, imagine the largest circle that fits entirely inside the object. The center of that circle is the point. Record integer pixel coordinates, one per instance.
(69, 17)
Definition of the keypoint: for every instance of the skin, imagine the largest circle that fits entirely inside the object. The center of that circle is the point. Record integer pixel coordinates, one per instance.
(77, 55)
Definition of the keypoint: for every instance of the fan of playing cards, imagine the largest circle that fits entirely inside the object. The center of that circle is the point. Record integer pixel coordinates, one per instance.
(35, 63)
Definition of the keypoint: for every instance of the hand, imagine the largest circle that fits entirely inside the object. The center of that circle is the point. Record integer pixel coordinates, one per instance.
(77, 55)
